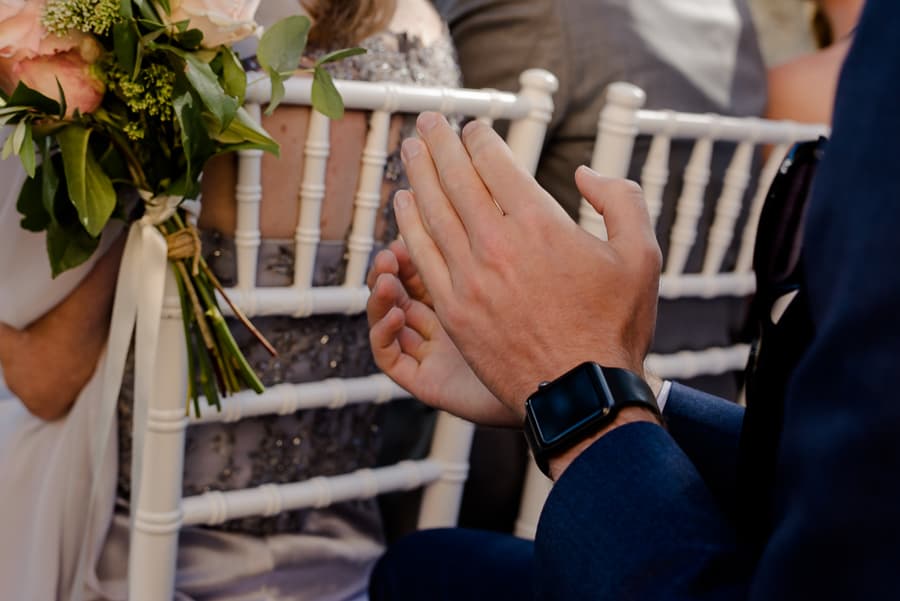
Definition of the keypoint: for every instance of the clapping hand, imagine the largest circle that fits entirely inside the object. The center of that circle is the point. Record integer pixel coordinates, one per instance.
(411, 346)
(522, 291)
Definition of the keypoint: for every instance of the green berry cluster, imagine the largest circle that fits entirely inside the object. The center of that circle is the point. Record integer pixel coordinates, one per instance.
(89, 16)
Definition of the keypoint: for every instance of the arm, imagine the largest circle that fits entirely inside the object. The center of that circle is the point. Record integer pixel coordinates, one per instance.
(47, 363)
(838, 532)
(525, 294)
(707, 429)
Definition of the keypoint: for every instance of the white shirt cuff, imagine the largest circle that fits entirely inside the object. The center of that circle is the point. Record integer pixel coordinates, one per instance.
(663, 396)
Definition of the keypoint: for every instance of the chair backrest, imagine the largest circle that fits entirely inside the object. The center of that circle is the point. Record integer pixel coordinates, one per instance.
(621, 121)
(161, 511)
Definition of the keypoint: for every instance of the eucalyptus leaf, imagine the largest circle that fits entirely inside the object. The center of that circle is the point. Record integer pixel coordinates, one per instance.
(244, 130)
(35, 217)
(165, 6)
(234, 79)
(339, 55)
(90, 189)
(68, 246)
(206, 84)
(325, 97)
(8, 147)
(194, 139)
(18, 137)
(277, 82)
(282, 45)
(26, 150)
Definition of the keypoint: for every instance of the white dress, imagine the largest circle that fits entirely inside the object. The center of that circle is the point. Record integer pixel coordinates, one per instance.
(44, 512)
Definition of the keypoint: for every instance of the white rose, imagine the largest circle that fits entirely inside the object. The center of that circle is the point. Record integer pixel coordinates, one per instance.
(223, 22)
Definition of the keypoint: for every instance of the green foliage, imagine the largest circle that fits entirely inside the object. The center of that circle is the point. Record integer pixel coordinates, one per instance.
(339, 55)
(279, 53)
(170, 105)
(325, 97)
(90, 189)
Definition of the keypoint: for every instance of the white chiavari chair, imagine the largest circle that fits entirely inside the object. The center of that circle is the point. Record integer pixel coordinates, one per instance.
(621, 121)
(160, 510)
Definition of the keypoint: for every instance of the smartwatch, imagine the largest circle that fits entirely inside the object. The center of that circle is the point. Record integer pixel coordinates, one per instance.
(562, 413)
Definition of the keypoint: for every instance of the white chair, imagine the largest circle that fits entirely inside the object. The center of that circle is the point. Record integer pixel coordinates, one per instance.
(160, 510)
(622, 120)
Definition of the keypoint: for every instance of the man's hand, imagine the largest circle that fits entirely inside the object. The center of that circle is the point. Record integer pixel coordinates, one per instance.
(522, 290)
(410, 345)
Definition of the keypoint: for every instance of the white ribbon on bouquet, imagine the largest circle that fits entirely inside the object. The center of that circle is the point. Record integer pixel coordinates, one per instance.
(138, 302)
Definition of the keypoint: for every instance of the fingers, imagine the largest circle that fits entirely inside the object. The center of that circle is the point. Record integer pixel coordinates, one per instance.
(423, 250)
(408, 274)
(510, 186)
(438, 215)
(386, 261)
(387, 293)
(386, 349)
(621, 202)
(457, 175)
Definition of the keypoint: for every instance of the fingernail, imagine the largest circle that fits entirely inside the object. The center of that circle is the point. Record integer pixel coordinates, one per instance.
(427, 121)
(410, 149)
(401, 200)
(470, 127)
(588, 172)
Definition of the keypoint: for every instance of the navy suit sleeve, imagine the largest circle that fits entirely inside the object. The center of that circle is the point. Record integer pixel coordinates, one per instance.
(632, 517)
(838, 536)
(708, 430)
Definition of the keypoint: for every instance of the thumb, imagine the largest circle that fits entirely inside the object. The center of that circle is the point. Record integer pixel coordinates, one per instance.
(620, 201)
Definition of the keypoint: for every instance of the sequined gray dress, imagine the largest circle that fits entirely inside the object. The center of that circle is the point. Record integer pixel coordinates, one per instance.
(322, 554)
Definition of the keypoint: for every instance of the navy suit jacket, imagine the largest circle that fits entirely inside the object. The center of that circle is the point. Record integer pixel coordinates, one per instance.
(649, 513)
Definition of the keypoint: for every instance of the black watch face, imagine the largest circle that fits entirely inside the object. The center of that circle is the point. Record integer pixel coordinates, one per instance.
(566, 404)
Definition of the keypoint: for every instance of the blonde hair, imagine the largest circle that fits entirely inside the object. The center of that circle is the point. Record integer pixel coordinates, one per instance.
(345, 22)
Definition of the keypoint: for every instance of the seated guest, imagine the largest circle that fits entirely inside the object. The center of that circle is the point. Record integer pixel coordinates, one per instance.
(310, 554)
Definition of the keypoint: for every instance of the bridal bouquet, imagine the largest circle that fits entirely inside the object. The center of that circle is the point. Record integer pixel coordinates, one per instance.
(123, 102)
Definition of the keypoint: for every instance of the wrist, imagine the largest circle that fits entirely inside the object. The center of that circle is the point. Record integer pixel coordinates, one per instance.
(516, 396)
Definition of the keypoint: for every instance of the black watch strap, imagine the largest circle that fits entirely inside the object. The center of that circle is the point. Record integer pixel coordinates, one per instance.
(626, 389)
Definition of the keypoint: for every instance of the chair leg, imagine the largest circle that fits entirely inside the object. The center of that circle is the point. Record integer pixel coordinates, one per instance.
(156, 519)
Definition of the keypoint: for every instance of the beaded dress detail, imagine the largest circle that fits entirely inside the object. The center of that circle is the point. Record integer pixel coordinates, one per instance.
(289, 448)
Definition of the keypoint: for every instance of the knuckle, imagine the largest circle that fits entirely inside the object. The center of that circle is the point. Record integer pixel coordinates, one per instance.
(478, 139)
(626, 188)
(651, 255)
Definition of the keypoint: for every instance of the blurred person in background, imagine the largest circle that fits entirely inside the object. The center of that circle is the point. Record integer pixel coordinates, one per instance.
(699, 56)
(804, 88)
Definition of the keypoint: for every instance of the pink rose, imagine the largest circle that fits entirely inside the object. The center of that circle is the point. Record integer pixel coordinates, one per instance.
(71, 67)
(21, 31)
(28, 53)
(222, 22)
